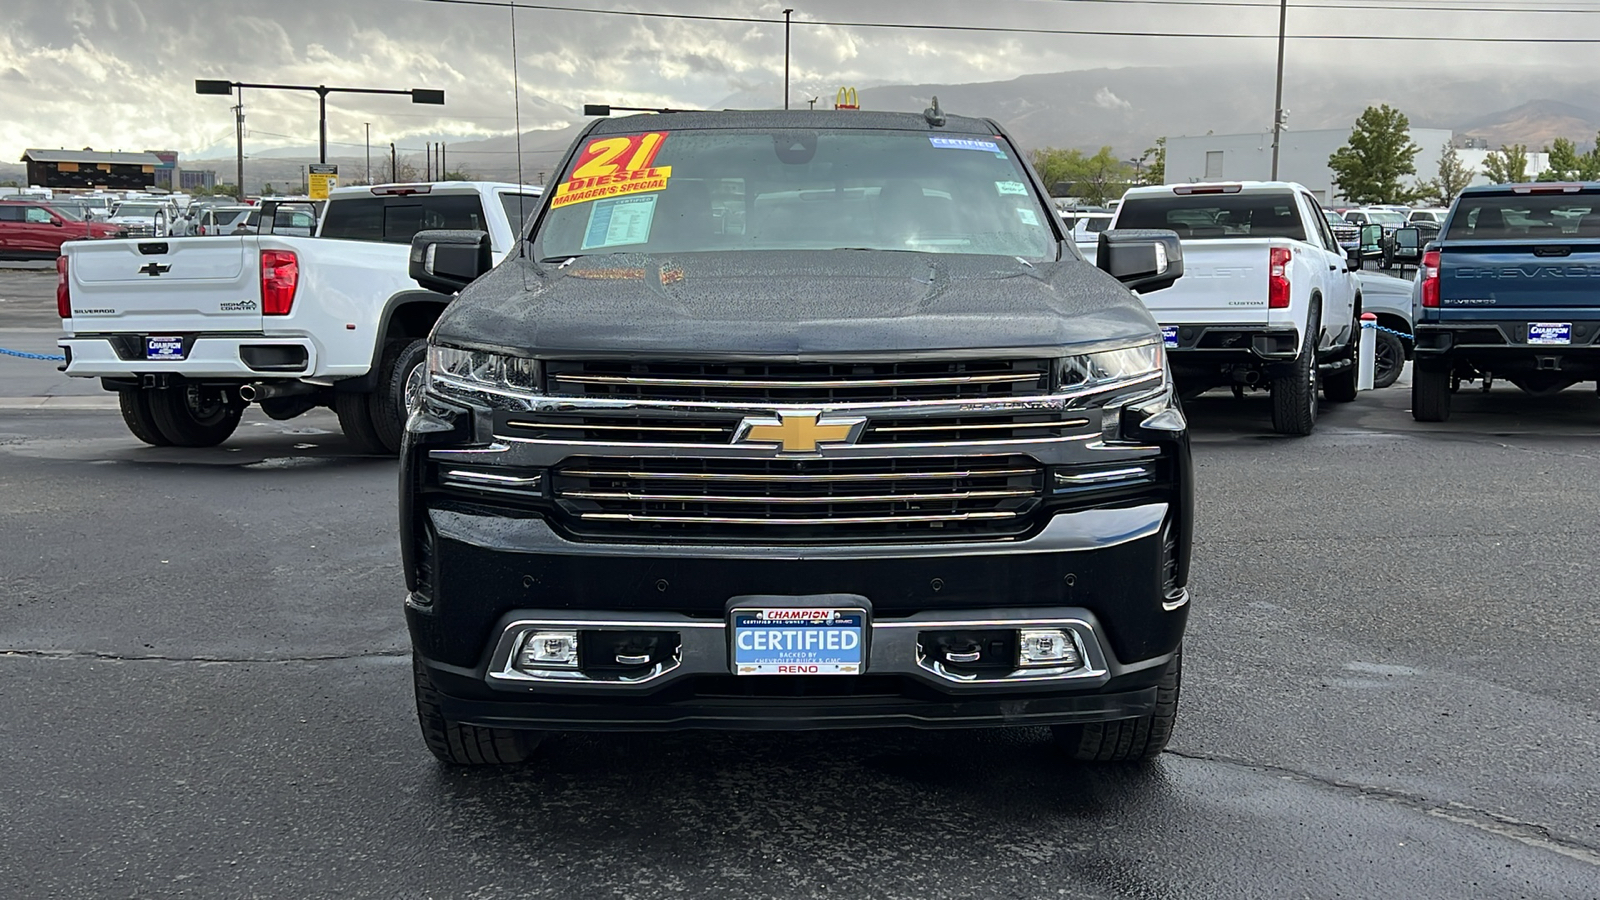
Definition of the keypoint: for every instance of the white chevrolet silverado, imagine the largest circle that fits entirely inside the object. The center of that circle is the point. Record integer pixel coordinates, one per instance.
(189, 331)
(1268, 299)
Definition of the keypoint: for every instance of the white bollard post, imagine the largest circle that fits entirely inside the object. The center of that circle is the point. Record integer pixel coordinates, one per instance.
(1367, 353)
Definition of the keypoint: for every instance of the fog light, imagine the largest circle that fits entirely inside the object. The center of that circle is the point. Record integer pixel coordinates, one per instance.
(549, 650)
(1049, 648)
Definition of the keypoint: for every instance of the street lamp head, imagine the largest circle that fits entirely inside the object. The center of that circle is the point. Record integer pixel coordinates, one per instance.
(212, 86)
(423, 95)
(596, 109)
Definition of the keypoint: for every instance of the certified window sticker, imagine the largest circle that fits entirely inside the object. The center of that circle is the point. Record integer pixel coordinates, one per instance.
(953, 143)
(1011, 187)
(619, 221)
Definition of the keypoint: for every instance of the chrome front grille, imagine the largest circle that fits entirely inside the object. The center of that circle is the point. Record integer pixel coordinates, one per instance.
(819, 383)
(799, 500)
(654, 427)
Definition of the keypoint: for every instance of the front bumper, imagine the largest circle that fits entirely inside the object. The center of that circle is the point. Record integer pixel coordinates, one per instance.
(239, 356)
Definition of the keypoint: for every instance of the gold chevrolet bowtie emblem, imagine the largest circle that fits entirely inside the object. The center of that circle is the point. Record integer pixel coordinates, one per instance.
(800, 432)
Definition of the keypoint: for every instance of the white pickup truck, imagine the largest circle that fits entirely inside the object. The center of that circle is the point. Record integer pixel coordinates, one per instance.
(1268, 299)
(188, 331)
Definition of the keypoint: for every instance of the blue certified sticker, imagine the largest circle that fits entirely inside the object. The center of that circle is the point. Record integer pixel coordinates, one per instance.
(950, 143)
(1549, 332)
(1169, 335)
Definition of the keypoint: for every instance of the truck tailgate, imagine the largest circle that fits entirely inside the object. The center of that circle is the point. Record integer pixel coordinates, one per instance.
(1523, 275)
(164, 285)
(1224, 282)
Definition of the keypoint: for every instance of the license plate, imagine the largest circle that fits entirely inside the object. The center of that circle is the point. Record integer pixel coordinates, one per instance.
(797, 641)
(1549, 332)
(1169, 335)
(163, 348)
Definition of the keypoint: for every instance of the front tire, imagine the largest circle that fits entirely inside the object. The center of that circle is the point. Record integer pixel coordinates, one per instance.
(1128, 740)
(465, 745)
(135, 406)
(1294, 394)
(1430, 392)
(398, 380)
(194, 416)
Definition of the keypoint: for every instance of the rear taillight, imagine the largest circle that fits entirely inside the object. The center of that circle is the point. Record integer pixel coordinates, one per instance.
(280, 275)
(1430, 279)
(63, 292)
(1278, 278)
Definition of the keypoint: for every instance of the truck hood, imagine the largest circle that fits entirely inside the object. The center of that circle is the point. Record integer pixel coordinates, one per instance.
(791, 304)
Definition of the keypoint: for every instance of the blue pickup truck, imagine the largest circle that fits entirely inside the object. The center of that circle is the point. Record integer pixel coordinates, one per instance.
(1510, 290)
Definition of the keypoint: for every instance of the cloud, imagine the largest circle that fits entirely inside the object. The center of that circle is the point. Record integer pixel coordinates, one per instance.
(1104, 99)
(119, 73)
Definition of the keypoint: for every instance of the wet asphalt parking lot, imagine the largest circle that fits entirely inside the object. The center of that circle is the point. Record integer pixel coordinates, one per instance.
(1390, 690)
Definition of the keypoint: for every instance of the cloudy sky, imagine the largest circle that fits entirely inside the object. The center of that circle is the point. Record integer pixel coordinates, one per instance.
(118, 74)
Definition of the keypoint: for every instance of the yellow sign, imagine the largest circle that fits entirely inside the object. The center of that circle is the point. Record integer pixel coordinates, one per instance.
(800, 432)
(613, 167)
(322, 179)
(846, 99)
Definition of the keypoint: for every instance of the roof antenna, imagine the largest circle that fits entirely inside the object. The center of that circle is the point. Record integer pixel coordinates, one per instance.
(934, 114)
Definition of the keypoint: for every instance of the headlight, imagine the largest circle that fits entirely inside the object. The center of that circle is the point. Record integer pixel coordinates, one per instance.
(1094, 370)
(482, 369)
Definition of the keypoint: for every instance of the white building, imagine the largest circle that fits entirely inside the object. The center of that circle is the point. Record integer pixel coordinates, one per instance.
(1303, 157)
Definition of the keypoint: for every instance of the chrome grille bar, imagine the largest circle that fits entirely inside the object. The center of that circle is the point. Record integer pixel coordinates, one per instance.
(1014, 426)
(697, 429)
(816, 520)
(821, 499)
(838, 477)
(765, 383)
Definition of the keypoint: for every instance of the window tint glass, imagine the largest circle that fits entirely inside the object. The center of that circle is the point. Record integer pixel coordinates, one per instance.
(1535, 216)
(355, 219)
(1260, 214)
(394, 220)
(796, 189)
(39, 215)
(11, 213)
(519, 208)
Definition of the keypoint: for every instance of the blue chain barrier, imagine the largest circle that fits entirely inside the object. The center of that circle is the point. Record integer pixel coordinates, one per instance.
(1408, 337)
(21, 355)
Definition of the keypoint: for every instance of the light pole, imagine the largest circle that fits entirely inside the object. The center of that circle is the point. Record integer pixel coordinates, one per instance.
(1277, 103)
(786, 14)
(1138, 170)
(368, 126)
(212, 86)
(238, 131)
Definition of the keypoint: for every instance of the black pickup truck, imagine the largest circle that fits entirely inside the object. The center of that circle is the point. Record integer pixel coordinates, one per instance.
(1510, 291)
(795, 420)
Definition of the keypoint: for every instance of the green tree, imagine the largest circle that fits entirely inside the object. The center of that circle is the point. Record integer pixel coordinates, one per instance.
(1379, 153)
(1092, 179)
(1155, 162)
(267, 191)
(1565, 162)
(1508, 165)
(1453, 176)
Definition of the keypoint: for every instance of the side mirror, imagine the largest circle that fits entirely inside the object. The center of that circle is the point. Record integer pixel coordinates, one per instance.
(1144, 260)
(1408, 238)
(1371, 239)
(447, 260)
(1354, 257)
(57, 222)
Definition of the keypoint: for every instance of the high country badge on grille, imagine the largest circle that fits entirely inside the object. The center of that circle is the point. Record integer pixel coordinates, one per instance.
(801, 431)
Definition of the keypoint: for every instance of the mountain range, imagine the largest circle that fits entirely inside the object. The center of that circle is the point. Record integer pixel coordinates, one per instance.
(1125, 108)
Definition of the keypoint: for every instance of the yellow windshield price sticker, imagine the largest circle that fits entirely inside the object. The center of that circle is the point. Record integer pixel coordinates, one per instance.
(615, 167)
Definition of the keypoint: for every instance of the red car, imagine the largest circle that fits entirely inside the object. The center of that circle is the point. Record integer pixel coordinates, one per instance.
(34, 229)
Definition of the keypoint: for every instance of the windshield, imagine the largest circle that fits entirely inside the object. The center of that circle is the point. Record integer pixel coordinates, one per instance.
(1380, 217)
(794, 189)
(1333, 218)
(1094, 224)
(140, 209)
(1256, 214)
(1526, 216)
(70, 213)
